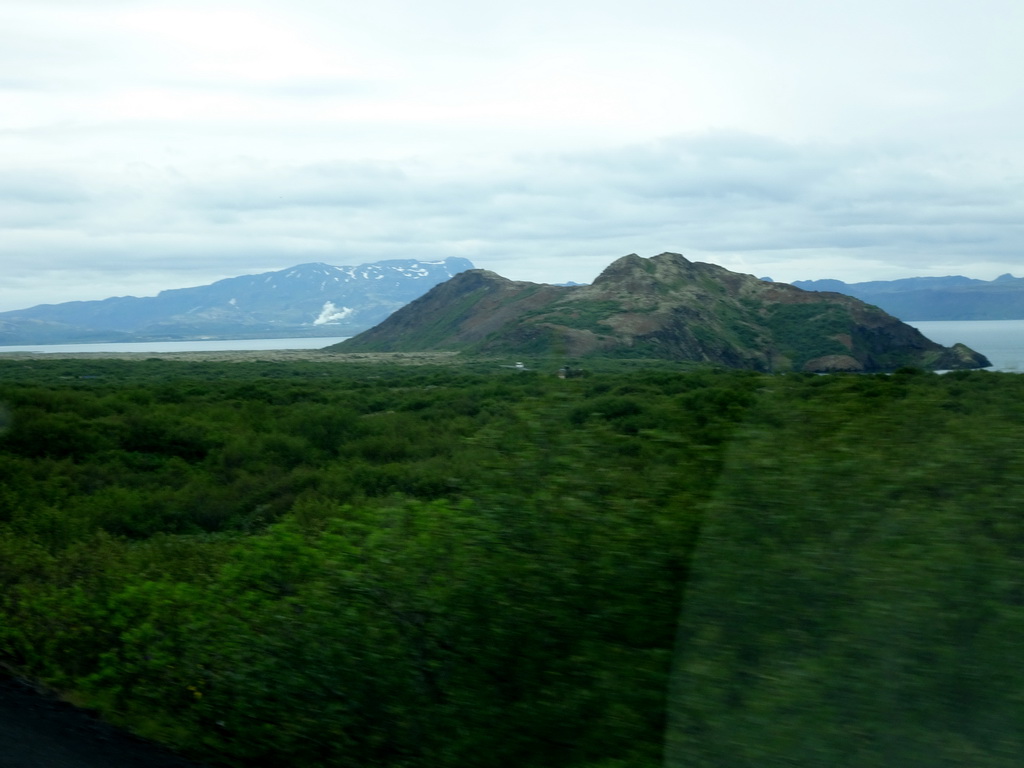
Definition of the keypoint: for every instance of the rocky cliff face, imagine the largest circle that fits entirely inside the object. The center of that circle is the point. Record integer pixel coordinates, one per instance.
(665, 307)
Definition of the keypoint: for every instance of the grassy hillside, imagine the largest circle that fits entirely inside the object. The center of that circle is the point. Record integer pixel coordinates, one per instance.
(664, 308)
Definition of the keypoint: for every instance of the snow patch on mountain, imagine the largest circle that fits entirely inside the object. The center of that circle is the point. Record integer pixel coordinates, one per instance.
(310, 299)
(331, 314)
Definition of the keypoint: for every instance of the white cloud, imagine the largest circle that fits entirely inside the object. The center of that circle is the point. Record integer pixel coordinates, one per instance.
(164, 144)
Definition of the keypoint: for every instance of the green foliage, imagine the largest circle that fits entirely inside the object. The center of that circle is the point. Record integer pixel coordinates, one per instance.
(589, 316)
(867, 617)
(803, 332)
(335, 565)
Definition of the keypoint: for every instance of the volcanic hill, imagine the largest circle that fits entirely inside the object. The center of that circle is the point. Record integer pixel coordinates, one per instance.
(664, 307)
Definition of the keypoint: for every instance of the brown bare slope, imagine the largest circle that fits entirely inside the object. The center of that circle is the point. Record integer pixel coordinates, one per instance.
(664, 307)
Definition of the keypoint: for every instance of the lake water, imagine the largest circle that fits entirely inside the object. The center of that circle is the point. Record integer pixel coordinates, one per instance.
(224, 345)
(1001, 341)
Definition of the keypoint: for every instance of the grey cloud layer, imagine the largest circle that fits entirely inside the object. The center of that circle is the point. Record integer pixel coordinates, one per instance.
(173, 142)
(733, 198)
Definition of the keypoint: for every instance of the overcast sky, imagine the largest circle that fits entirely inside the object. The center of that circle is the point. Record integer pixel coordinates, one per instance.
(152, 145)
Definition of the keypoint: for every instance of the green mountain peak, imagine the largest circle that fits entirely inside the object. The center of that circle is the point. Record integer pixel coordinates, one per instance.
(663, 307)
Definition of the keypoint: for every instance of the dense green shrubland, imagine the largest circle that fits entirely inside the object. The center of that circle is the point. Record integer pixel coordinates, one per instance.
(328, 565)
(857, 596)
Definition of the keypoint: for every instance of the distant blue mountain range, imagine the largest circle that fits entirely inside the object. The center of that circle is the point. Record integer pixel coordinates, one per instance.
(324, 300)
(305, 300)
(936, 298)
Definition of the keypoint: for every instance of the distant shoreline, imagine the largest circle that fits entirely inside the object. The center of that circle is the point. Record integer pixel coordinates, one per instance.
(248, 355)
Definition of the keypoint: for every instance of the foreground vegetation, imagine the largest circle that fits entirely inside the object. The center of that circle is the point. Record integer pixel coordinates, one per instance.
(352, 565)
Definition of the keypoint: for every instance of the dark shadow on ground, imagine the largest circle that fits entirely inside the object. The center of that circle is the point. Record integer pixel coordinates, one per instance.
(39, 731)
